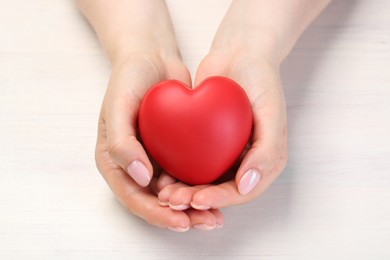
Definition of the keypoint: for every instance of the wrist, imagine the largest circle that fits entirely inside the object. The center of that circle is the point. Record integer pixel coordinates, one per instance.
(260, 44)
(140, 46)
(125, 27)
(269, 28)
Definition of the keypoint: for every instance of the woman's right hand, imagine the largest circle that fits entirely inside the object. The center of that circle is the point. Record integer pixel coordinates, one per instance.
(120, 157)
(138, 38)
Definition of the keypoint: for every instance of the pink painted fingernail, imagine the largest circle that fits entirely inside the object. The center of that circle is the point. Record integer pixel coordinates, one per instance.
(163, 203)
(178, 207)
(248, 181)
(179, 229)
(199, 207)
(140, 174)
(204, 227)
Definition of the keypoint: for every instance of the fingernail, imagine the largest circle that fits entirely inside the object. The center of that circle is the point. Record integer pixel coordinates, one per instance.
(179, 229)
(248, 181)
(140, 174)
(179, 207)
(200, 207)
(204, 227)
(163, 203)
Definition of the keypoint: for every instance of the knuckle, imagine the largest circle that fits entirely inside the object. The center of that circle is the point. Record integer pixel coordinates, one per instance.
(144, 210)
(274, 156)
(115, 148)
(282, 162)
(284, 158)
(182, 193)
(103, 163)
(276, 159)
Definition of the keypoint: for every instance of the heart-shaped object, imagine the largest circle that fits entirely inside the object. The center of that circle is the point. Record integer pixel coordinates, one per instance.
(195, 134)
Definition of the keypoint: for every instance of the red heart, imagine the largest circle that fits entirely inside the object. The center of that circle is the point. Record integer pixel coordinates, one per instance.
(195, 134)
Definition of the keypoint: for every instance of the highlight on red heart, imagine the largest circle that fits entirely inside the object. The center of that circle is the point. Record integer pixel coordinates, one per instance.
(197, 134)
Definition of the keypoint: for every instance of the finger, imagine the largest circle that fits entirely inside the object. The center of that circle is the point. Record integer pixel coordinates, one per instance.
(164, 180)
(165, 194)
(205, 219)
(123, 145)
(138, 200)
(261, 165)
(120, 111)
(227, 194)
(181, 197)
(268, 153)
(220, 219)
(126, 89)
(178, 196)
(145, 205)
(218, 196)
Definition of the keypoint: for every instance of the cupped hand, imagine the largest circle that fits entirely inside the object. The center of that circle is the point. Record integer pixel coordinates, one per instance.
(120, 156)
(267, 153)
(251, 43)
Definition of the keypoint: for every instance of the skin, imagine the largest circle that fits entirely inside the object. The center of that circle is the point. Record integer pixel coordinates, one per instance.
(251, 43)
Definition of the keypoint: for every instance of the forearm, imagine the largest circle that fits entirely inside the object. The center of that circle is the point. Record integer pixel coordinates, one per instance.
(130, 26)
(272, 26)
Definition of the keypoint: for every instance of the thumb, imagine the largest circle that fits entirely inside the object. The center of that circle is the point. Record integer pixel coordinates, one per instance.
(120, 117)
(268, 154)
(120, 113)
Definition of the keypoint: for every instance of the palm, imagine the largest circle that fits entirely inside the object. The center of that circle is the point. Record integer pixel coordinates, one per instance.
(117, 142)
(268, 149)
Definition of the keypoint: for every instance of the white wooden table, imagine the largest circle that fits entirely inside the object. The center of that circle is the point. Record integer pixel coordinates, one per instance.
(331, 202)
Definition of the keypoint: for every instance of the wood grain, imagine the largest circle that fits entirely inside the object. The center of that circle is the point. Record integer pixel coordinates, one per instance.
(331, 202)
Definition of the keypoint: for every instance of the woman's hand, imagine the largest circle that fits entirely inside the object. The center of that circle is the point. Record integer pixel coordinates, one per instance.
(267, 154)
(251, 43)
(139, 40)
(120, 156)
(254, 38)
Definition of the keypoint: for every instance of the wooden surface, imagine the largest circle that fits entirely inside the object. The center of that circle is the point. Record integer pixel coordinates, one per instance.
(331, 202)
